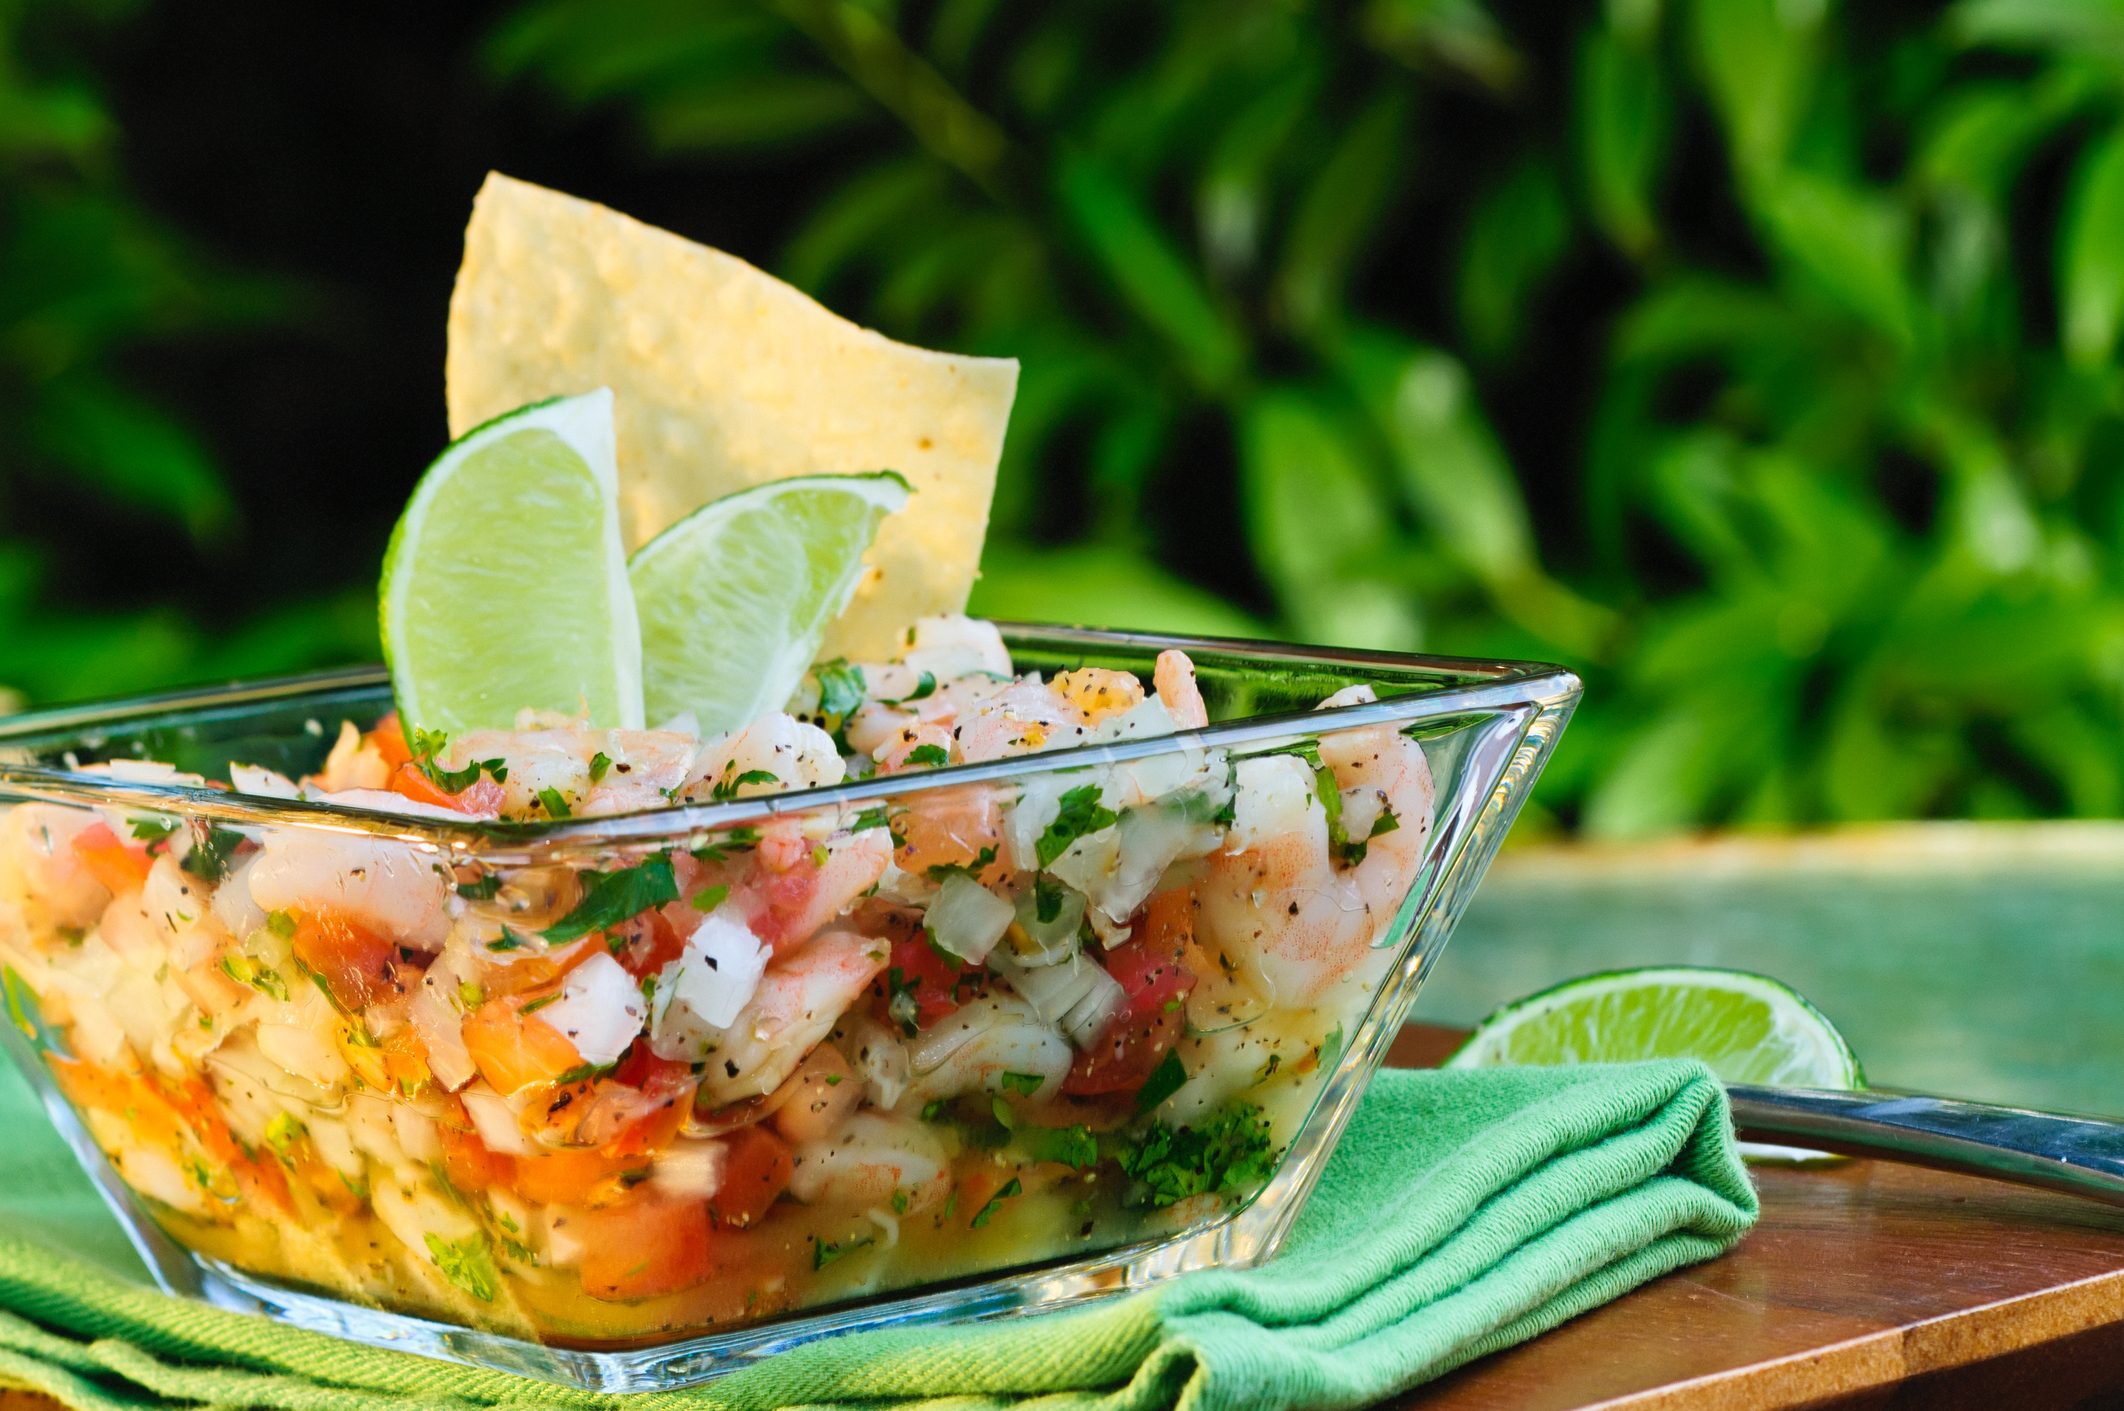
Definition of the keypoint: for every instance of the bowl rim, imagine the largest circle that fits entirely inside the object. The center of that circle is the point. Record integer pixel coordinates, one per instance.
(1500, 684)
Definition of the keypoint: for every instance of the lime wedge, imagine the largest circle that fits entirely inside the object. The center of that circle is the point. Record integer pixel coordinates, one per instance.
(736, 597)
(505, 583)
(1748, 1028)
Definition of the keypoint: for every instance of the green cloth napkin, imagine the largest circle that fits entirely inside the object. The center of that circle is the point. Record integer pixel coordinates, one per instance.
(1463, 1212)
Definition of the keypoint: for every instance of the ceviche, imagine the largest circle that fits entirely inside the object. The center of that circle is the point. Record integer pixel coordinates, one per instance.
(646, 1089)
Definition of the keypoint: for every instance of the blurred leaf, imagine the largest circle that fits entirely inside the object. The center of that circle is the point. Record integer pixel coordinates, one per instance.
(1146, 269)
(759, 110)
(1456, 34)
(1100, 586)
(1340, 210)
(141, 458)
(1850, 243)
(2091, 254)
(1622, 120)
(1514, 240)
(1757, 59)
(2074, 26)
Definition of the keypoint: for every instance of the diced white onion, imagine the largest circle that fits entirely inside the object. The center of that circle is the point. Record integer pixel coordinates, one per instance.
(1274, 798)
(689, 1170)
(264, 783)
(967, 919)
(433, 1012)
(495, 1121)
(711, 982)
(600, 1009)
(417, 1136)
(1077, 996)
(1052, 941)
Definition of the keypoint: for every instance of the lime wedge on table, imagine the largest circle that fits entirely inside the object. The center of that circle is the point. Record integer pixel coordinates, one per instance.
(1748, 1028)
(736, 597)
(505, 583)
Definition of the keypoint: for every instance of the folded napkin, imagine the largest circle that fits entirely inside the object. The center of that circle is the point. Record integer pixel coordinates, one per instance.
(1462, 1213)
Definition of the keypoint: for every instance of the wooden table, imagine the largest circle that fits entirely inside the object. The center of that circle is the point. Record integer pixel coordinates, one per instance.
(1866, 1285)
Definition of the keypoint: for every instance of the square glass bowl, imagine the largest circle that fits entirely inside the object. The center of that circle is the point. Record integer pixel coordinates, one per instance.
(237, 1010)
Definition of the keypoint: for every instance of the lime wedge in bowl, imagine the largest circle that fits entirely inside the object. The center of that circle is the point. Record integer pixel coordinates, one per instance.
(505, 583)
(1748, 1028)
(736, 597)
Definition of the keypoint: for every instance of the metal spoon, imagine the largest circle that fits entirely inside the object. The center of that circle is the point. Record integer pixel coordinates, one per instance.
(2077, 1155)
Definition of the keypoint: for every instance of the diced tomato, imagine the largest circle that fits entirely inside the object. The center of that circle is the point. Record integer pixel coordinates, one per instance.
(918, 968)
(571, 1175)
(262, 1182)
(121, 867)
(514, 1050)
(757, 1166)
(1149, 1022)
(647, 943)
(644, 1248)
(147, 1114)
(540, 972)
(389, 740)
(358, 965)
(469, 1164)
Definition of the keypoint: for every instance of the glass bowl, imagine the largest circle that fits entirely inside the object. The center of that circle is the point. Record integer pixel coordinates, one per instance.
(273, 1119)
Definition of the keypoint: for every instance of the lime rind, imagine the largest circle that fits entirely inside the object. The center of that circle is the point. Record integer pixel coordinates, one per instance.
(736, 597)
(1747, 1027)
(504, 583)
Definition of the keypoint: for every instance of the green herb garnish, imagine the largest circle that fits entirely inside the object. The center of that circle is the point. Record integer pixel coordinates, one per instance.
(938, 871)
(1228, 1153)
(823, 1253)
(467, 1263)
(1164, 1081)
(727, 789)
(208, 859)
(556, 806)
(611, 897)
(1080, 813)
(995, 1202)
(599, 763)
(485, 889)
(709, 898)
(1023, 1084)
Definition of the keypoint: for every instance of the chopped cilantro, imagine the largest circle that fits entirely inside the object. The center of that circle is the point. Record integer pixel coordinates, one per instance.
(736, 840)
(153, 830)
(1228, 1153)
(823, 1253)
(611, 897)
(1071, 1146)
(556, 805)
(467, 1263)
(209, 858)
(938, 871)
(899, 1202)
(1330, 1048)
(726, 788)
(599, 763)
(282, 1133)
(995, 1202)
(582, 1072)
(900, 1002)
(709, 898)
(540, 1003)
(925, 687)
(841, 688)
(485, 889)
(281, 924)
(1347, 850)
(1023, 1084)
(928, 754)
(933, 1109)
(1080, 813)
(245, 970)
(1164, 1081)
(509, 941)
(1047, 898)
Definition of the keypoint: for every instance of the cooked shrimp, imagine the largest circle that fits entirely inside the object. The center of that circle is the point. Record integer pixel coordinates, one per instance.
(1174, 678)
(354, 763)
(638, 766)
(793, 753)
(794, 892)
(1022, 718)
(870, 1160)
(40, 871)
(795, 1007)
(387, 886)
(973, 1048)
(1287, 914)
(1096, 693)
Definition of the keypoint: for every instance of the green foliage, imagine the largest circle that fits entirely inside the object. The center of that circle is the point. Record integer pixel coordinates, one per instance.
(87, 278)
(1843, 534)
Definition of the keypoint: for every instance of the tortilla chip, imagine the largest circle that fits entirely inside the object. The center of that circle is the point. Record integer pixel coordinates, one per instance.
(724, 377)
